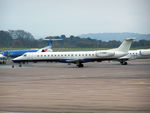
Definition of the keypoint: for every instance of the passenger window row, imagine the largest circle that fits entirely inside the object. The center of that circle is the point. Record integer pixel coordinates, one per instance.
(62, 55)
(133, 53)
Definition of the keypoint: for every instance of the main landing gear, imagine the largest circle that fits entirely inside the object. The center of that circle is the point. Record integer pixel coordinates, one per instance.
(80, 65)
(20, 65)
(124, 63)
(13, 66)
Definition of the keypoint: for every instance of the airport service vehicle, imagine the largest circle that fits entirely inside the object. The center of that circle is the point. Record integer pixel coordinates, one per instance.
(135, 54)
(77, 57)
(2, 59)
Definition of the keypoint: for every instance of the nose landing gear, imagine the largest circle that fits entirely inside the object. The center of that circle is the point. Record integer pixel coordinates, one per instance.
(20, 65)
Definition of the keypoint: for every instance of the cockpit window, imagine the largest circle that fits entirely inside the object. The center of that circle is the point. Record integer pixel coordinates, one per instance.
(25, 55)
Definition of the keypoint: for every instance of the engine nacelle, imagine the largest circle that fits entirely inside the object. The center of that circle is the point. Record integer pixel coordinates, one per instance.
(145, 52)
(105, 53)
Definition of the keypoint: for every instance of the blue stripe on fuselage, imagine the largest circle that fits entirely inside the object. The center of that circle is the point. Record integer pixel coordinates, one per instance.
(57, 60)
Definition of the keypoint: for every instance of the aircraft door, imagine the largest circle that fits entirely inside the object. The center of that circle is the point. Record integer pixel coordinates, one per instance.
(30, 56)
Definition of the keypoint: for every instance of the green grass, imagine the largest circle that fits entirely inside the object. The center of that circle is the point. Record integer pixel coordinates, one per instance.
(59, 49)
(15, 48)
(66, 49)
(77, 49)
(87, 49)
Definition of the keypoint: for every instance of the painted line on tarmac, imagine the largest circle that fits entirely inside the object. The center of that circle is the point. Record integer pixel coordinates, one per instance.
(137, 83)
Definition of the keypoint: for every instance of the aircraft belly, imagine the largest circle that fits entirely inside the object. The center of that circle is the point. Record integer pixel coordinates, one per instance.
(64, 60)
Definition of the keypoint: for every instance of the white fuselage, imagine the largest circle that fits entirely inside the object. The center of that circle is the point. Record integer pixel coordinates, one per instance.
(137, 54)
(83, 56)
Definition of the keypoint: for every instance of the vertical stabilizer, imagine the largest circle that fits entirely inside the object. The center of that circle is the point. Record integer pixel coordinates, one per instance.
(49, 47)
(125, 46)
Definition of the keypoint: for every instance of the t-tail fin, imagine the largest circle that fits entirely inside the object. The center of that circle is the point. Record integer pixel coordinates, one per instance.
(126, 44)
(50, 43)
(51, 40)
(49, 47)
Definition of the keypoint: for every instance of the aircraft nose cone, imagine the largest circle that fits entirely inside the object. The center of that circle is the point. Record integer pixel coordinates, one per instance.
(16, 60)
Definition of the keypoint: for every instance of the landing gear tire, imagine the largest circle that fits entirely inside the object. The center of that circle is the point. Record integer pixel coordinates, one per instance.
(20, 65)
(124, 63)
(13, 66)
(80, 65)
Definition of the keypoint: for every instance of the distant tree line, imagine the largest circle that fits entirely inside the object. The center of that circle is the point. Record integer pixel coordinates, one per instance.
(26, 40)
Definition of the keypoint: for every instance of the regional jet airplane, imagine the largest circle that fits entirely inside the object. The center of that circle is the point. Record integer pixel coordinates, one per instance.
(135, 54)
(78, 57)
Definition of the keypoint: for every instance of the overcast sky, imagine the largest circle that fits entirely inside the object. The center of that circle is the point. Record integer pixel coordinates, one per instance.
(73, 17)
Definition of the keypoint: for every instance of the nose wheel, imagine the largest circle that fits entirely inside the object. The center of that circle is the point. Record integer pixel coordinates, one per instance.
(13, 66)
(20, 65)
